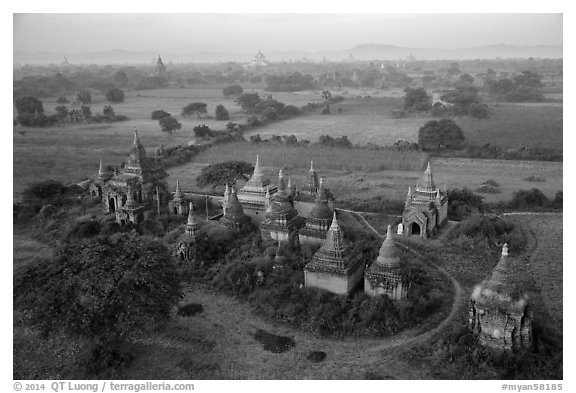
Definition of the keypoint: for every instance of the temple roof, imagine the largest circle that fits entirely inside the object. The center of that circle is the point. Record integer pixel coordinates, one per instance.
(178, 192)
(321, 210)
(234, 211)
(388, 255)
(138, 157)
(334, 256)
(257, 183)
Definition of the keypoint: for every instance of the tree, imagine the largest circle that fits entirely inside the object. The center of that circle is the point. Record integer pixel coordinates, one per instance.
(121, 78)
(225, 172)
(438, 134)
(108, 112)
(106, 291)
(417, 99)
(84, 97)
(61, 111)
(233, 90)
(115, 95)
(248, 101)
(158, 114)
(465, 79)
(202, 131)
(222, 113)
(28, 105)
(62, 100)
(169, 124)
(195, 108)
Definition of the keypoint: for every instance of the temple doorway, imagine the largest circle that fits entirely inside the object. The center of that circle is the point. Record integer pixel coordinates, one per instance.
(415, 229)
(112, 205)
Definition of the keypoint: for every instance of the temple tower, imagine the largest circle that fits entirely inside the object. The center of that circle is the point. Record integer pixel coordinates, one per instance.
(499, 312)
(334, 267)
(426, 207)
(313, 179)
(186, 247)
(253, 195)
(234, 218)
(384, 276)
(318, 221)
(178, 205)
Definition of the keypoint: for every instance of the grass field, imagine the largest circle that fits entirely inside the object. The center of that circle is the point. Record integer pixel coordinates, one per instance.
(72, 153)
(348, 184)
(369, 120)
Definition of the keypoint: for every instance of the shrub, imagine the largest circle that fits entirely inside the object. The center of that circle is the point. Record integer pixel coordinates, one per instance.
(222, 113)
(159, 114)
(233, 90)
(224, 172)
(527, 199)
(202, 131)
(463, 203)
(115, 95)
(535, 178)
(62, 100)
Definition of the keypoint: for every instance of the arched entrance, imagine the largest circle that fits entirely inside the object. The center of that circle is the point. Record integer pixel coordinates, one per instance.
(182, 257)
(415, 229)
(112, 205)
(175, 210)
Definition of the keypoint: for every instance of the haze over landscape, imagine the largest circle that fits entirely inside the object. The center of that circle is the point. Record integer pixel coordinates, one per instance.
(136, 38)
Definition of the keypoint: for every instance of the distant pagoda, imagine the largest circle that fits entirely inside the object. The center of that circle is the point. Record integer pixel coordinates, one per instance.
(186, 248)
(159, 68)
(499, 314)
(384, 276)
(334, 267)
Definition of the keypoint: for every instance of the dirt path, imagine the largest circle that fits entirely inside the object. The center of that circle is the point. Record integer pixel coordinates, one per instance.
(233, 324)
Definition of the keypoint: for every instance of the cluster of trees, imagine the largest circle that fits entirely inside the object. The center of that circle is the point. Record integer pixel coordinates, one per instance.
(225, 172)
(30, 112)
(464, 100)
(525, 87)
(417, 100)
(292, 82)
(440, 134)
(340, 142)
(166, 121)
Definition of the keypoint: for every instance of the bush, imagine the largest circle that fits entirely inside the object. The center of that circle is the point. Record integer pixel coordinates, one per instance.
(222, 113)
(202, 131)
(528, 199)
(225, 172)
(233, 90)
(115, 95)
(159, 114)
(463, 203)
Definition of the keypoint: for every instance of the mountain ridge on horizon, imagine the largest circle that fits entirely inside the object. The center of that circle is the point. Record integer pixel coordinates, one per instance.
(362, 52)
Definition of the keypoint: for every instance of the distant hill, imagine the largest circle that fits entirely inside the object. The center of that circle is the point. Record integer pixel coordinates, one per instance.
(360, 52)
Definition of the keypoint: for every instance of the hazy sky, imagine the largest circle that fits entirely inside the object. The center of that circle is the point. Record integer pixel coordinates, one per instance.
(188, 33)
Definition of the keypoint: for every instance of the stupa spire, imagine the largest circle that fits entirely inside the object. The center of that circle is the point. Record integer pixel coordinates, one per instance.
(101, 171)
(312, 166)
(388, 255)
(257, 169)
(178, 192)
(427, 180)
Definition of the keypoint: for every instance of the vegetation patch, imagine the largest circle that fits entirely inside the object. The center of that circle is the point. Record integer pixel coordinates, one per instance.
(535, 178)
(316, 356)
(190, 309)
(274, 343)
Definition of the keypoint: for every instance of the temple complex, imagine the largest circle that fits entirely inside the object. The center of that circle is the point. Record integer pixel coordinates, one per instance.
(282, 218)
(186, 246)
(253, 195)
(259, 59)
(318, 220)
(129, 192)
(234, 217)
(426, 208)
(334, 267)
(384, 276)
(498, 314)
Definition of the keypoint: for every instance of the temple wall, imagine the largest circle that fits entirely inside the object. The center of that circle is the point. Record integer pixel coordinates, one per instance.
(335, 284)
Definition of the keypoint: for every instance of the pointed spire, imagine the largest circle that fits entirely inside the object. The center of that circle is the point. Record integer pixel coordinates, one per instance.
(129, 198)
(312, 166)
(136, 140)
(178, 192)
(281, 183)
(101, 171)
(335, 225)
(505, 250)
(427, 180)
(408, 197)
(191, 219)
(388, 255)
(257, 169)
(321, 195)
(227, 191)
(502, 276)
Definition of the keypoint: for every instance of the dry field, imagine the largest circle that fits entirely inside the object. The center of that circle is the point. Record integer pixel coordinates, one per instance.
(350, 184)
(370, 120)
(546, 263)
(71, 153)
